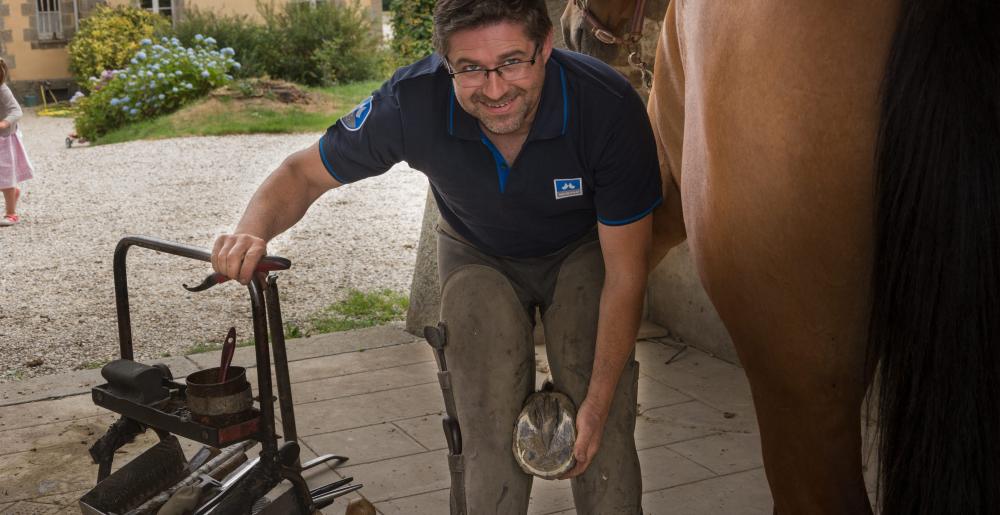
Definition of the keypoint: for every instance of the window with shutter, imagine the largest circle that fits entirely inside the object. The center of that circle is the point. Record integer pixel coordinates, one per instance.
(49, 20)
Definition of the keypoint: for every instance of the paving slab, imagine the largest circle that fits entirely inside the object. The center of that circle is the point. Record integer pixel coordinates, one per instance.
(654, 394)
(685, 421)
(364, 382)
(743, 493)
(48, 412)
(68, 502)
(428, 503)
(361, 361)
(664, 468)
(719, 384)
(723, 453)
(31, 508)
(367, 444)
(401, 477)
(55, 434)
(369, 409)
(425, 429)
(48, 471)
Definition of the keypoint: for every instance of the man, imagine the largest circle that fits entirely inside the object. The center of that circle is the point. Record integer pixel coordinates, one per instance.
(543, 165)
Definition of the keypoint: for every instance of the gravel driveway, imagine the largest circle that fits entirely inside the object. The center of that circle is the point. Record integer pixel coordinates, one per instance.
(56, 287)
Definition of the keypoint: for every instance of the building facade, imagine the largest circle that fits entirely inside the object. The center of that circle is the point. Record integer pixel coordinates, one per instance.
(35, 34)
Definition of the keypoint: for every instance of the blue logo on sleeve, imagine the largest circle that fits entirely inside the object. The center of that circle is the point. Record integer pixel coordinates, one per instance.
(353, 120)
(568, 187)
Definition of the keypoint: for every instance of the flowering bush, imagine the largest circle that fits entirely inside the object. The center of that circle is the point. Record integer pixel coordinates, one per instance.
(109, 37)
(159, 79)
(239, 32)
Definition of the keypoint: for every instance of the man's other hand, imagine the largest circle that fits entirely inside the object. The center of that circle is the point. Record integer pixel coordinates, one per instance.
(590, 420)
(236, 255)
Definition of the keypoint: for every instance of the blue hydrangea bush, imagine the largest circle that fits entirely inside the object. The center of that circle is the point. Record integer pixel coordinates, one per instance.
(159, 79)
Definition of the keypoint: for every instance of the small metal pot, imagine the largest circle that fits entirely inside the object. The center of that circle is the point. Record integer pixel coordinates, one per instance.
(219, 404)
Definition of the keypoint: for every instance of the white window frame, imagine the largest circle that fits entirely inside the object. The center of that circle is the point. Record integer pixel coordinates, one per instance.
(159, 6)
(49, 17)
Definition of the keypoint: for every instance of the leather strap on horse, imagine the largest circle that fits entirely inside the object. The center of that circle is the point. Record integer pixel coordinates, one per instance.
(631, 40)
(437, 337)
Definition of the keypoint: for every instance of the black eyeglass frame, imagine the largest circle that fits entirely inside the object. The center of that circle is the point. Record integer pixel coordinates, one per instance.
(497, 69)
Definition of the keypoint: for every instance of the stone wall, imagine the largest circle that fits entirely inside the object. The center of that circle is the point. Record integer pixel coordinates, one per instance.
(6, 35)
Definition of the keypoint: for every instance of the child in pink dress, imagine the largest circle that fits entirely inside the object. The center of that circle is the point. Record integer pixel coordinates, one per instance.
(14, 164)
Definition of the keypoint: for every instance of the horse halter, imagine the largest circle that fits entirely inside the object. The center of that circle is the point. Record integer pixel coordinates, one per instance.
(631, 40)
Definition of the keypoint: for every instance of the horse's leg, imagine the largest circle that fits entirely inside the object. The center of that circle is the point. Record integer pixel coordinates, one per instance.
(797, 318)
(779, 123)
(808, 387)
(666, 114)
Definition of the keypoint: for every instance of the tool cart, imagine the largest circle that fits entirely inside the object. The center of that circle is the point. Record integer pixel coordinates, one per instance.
(214, 407)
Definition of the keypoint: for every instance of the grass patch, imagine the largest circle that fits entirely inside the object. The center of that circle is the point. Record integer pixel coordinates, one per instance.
(261, 114)
(359, 310)
(90, 365)
(349, 94)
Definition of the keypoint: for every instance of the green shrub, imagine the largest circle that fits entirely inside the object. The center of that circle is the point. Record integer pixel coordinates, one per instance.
(321, 45)
(412, 29)
(109, 37)
(159, 79)
(240, 33)
(337, 65)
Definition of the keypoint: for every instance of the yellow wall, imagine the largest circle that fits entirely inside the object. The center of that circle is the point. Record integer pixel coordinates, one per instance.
(53, 63)
(42, 64)
(249, 7)
(229, 7)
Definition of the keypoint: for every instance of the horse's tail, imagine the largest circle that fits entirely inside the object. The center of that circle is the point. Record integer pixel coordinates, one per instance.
(935, 321)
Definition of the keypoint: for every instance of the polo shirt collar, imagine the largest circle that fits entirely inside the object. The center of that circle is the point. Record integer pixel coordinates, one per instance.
(550, 119)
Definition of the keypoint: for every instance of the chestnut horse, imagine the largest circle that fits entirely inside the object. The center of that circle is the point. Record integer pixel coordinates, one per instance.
(835, 168)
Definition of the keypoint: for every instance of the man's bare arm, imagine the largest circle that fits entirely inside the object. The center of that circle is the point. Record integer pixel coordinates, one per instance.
(626, 255)
(280, 202)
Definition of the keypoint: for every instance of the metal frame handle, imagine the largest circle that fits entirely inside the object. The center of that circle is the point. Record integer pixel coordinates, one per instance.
(177, 249)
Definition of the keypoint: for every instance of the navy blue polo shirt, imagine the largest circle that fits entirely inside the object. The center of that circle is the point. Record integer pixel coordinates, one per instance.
(589, 156)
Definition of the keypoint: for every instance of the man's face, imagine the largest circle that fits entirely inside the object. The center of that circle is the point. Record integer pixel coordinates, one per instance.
(502, 105)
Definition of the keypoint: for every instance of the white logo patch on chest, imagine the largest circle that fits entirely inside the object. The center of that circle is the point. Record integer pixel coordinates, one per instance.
(566, 188)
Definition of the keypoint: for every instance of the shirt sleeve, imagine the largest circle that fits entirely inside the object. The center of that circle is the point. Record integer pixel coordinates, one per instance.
(367, 141)
(627, 176)
(9, 105)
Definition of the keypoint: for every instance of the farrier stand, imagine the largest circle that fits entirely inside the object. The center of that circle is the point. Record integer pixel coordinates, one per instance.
(171, 417)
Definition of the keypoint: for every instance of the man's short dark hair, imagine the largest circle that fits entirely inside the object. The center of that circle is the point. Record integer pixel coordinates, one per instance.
(451, 16)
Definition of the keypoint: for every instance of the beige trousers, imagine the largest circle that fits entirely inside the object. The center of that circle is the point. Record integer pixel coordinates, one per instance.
(488, 304)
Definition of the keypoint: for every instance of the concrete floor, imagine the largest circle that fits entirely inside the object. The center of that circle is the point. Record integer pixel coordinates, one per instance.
(372, 395)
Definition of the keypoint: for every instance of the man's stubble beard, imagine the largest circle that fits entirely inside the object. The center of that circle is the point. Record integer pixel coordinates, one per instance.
(509, 123)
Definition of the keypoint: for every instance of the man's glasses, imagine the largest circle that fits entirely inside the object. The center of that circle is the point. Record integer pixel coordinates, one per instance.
(474, 76)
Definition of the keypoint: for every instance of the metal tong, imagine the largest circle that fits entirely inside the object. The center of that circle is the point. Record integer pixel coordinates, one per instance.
(268, 264)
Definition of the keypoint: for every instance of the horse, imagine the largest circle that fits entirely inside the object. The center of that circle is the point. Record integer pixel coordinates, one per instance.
(835, 169)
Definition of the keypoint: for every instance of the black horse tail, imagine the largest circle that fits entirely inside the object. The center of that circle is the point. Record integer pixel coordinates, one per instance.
(935, 320)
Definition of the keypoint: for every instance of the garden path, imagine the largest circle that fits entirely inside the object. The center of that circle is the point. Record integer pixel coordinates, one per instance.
(56, 287)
